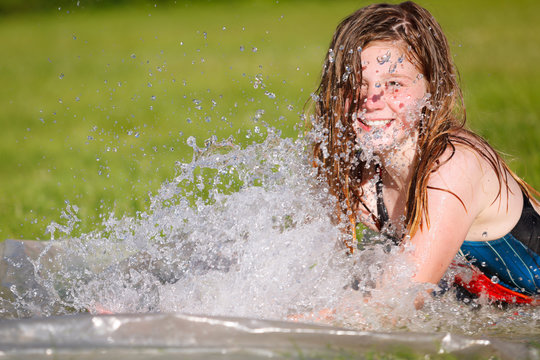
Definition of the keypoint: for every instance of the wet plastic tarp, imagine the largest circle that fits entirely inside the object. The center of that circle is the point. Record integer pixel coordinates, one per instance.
(167, 336)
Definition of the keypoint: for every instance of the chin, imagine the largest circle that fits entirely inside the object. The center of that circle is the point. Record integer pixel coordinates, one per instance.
(371, 144)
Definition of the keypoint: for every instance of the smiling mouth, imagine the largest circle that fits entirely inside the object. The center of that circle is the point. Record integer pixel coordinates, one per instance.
(376, 122)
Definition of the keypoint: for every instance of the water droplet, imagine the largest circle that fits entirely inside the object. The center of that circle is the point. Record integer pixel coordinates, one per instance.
(241, 48)
(153, 97)
(495, 279)
(61, 76)
(258, 114)
(204, 35)
(191, 142)
(133, 56)
(258, 82)
(331, 56)
(392, 68)
(74, 37)
(384, 58)
(270, 94)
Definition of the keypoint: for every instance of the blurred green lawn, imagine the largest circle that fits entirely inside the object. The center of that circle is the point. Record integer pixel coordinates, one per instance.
(96, 104)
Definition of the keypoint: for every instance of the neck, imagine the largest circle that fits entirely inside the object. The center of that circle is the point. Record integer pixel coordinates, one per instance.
(397, 164)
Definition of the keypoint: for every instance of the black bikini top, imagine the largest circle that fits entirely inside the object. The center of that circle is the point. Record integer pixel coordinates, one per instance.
(527, 229)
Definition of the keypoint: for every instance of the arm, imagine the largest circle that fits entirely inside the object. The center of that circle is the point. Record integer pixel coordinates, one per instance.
(450, 219)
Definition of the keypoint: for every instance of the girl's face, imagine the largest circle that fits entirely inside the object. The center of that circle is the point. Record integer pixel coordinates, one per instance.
(391, 97)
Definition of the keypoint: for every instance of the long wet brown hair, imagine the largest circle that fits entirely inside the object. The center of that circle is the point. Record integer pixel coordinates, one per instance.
(441, 125)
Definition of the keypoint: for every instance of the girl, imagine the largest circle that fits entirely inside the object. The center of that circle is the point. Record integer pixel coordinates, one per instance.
(391, 143)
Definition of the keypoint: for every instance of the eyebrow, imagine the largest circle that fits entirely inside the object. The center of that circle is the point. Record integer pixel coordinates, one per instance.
(397, 75)
(387, 76)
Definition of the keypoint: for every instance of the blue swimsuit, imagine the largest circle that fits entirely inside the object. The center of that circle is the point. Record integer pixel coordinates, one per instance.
(513, 261)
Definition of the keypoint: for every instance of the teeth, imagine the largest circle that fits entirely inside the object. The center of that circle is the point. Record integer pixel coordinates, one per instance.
(376, 122)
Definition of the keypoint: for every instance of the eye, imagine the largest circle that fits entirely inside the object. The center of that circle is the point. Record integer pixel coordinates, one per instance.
(393, 85)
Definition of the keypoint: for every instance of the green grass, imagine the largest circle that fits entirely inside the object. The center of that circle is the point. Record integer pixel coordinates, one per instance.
(95, 103)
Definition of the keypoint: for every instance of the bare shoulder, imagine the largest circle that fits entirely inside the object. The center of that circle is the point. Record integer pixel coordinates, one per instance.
(465, 170)
(459, 166)
(492, 197)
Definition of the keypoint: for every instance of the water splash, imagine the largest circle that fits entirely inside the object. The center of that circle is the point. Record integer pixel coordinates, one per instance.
(243, 231)
(238, 232)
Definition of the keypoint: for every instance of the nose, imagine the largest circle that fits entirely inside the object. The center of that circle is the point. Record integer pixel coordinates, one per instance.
(374, 99)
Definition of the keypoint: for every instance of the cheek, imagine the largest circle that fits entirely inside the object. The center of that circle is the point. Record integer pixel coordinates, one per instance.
(403, 101)
(397, 102)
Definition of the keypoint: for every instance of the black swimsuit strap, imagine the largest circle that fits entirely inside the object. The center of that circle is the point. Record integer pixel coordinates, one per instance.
(382, 212)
